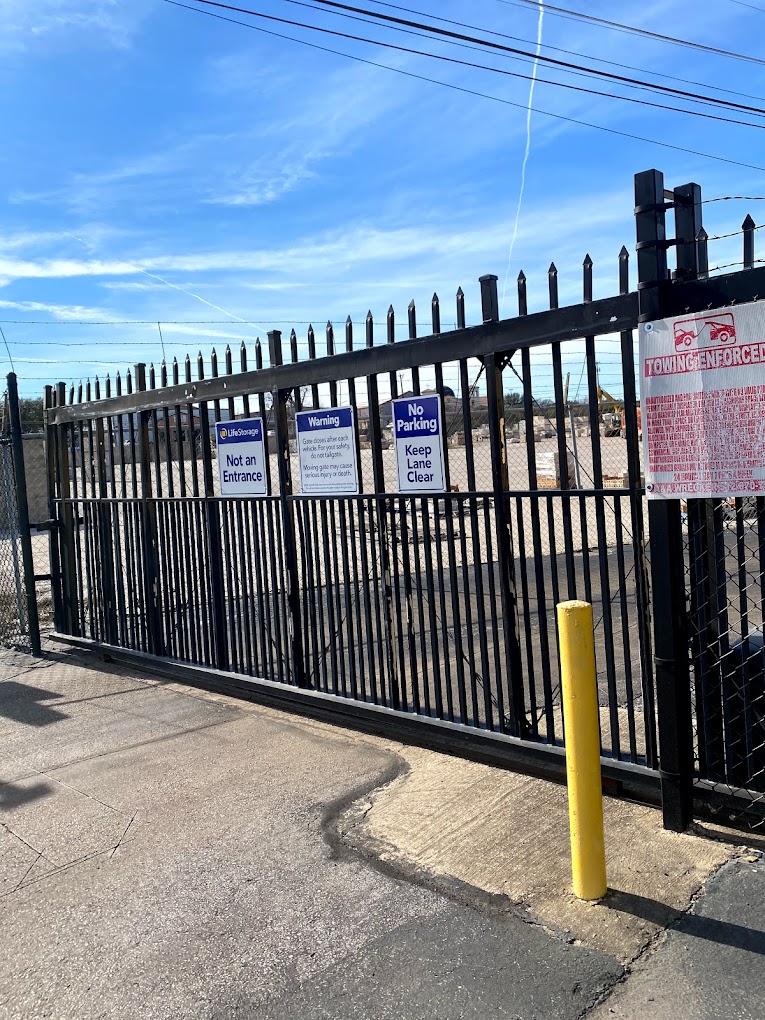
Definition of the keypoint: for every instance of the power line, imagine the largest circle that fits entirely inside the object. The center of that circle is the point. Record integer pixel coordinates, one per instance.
(472, 92)
(572, 53)
(461, 37)
(509, 53)
(633, 30)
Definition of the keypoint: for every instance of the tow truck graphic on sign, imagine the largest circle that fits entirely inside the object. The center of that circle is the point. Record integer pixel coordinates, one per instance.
(705, 332)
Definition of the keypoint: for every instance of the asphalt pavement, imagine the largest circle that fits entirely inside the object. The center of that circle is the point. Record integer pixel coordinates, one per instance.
(168, 853)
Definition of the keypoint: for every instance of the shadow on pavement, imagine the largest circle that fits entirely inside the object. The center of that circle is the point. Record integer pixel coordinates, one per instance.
(13, 796)
(22, 703)
(726, 933)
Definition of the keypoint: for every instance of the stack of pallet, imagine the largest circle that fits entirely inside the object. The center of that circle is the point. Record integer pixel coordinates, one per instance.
(548, 471)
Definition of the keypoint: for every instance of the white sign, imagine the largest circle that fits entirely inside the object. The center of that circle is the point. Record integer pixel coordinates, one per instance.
(326, 447)
(419, 440)
(702, 396)
(242, 469)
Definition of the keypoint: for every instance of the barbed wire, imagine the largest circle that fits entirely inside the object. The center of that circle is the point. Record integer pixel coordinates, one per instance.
(734, 233)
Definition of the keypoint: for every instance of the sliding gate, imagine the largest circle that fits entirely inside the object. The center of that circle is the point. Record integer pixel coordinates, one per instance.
(426, 616)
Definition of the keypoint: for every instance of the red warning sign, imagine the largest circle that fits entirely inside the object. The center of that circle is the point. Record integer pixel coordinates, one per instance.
(702, 391)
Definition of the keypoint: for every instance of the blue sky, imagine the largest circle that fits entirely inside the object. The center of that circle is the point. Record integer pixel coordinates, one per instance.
(158, 164)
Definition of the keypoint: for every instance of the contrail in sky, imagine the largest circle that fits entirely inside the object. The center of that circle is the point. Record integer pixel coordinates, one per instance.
(161, 279)
(540, 22)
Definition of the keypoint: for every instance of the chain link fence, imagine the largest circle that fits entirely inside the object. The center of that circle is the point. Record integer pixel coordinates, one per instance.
(24, 537)
(14, 617)
(726, 594)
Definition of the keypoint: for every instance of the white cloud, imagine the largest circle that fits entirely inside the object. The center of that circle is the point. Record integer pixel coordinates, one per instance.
(24, 23)
(63, 312)
(336, 253)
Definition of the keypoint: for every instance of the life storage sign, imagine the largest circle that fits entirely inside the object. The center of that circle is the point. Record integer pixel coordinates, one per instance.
(241, 458)
(702, 395)
(419, 440)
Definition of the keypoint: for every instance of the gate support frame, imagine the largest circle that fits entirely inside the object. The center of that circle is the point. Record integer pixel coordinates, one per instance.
(280, 397)
(514, 717)
(665, 533)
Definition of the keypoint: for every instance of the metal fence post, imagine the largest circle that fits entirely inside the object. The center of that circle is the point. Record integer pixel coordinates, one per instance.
(665, 536)
(280, 398)
(515, 710)
(149, 519)
(106, 525)
(68, 519)
(22, 509)
(54, 538)
(214, 544)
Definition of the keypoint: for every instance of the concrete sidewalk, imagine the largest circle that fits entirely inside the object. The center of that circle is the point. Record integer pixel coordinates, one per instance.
(169, 853)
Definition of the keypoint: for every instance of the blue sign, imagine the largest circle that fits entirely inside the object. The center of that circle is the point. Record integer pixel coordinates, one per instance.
(249, 431)
(418, 435)
(334, 418)
(242, 467)
(326, 447)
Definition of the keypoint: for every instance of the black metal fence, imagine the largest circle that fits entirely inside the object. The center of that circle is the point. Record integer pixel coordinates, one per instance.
(431, 615)
(437, 607)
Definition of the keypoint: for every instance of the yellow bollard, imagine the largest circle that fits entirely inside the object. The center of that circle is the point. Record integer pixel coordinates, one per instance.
(580, 708)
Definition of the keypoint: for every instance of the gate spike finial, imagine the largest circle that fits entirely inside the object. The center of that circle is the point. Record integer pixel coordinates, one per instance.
(118, 384)
(411, 313)
(460, 308)
(97, 389)
(108, 386)
(435, 314)
(330, 338)
(624, 271)
(311, 343)
(349, 334)
(587, 278)
(390, 325)
(370, 329)
(702, 255)
(258, 354)
(552, 277)
(748, 226)
(523, 307)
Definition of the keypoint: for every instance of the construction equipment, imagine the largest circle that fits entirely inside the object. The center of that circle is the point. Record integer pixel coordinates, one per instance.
(612, 420)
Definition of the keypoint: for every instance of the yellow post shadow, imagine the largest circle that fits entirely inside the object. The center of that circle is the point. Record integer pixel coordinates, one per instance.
(580, 713)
